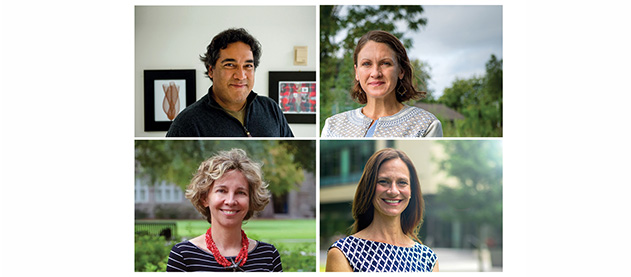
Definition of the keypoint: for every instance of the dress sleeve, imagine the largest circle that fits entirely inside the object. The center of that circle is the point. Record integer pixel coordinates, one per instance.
(325, 130)
(435, 129)
(176, 261)
(277, 265)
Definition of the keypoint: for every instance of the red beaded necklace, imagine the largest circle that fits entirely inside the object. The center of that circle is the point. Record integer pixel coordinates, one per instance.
(243, 253)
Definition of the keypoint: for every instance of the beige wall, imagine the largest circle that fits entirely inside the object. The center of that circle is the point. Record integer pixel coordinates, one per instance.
(173, 37)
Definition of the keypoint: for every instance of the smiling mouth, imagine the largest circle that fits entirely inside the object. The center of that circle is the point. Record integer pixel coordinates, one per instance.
(392, 202)
(227, 212)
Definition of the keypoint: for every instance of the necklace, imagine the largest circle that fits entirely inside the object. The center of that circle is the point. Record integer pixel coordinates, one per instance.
(238, 261)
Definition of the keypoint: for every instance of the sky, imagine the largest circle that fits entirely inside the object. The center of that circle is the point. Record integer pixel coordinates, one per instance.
(457, 42)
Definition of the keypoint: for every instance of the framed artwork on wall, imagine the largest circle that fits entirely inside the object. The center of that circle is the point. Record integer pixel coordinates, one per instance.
(296, 94)
(167, 92)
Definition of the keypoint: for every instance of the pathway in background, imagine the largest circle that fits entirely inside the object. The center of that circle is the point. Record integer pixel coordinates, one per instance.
(449, 260)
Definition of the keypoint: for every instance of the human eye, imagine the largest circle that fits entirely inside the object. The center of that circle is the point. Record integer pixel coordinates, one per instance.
(249, 66)
(382, 181)
(403, 183)
(365, 63)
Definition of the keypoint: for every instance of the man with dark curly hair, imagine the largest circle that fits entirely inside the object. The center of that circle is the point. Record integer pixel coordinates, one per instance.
(231, 108)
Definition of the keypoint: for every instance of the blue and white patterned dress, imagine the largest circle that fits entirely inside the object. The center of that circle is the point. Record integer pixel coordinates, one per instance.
(372, 256)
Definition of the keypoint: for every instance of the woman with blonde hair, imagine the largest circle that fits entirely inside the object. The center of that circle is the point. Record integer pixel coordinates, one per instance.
(388, 211)
(383, 81)
(227, 189)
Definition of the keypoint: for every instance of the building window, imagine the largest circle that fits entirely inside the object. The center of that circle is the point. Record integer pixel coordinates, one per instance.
(343, 161)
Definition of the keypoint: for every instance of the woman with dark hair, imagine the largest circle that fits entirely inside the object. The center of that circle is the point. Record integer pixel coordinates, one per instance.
(388, 211)
(383, 81)
(227, 189)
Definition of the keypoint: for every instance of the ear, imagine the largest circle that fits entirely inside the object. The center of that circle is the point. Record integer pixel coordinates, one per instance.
(401, 74)
(205, 201)
(356, 76)
(210, 71)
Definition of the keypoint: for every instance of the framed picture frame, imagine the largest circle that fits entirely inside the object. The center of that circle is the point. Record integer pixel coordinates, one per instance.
(296, 94)
(167, 93)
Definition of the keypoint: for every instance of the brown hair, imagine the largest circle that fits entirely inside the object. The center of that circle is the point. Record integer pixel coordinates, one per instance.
(405, 84)
(215, 167)
(363, 208)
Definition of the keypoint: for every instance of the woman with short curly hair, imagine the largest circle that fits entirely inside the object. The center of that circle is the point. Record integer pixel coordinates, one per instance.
(227, 189)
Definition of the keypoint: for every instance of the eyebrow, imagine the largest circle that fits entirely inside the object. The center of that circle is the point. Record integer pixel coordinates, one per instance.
(396, 178)
(233, 60)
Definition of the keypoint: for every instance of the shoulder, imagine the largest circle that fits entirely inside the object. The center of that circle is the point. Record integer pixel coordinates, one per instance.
(346, 124)
(264, 101)
(344, 242)
(434, 128)
(185, 121)
(417, 112)
(193, 108)
(344, 116)
(427, 254)
(183, 247)
(336, 261)
(264, 247)
(265, 255)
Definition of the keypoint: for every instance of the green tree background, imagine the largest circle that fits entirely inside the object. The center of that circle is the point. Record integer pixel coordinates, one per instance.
(478, 99)
(336, 56)
(177, 160)
(477, 199)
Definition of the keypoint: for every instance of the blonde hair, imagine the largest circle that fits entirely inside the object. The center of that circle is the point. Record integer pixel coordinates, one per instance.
(215, 167)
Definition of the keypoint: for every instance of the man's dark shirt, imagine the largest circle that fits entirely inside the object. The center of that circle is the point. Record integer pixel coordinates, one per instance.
(205, 118)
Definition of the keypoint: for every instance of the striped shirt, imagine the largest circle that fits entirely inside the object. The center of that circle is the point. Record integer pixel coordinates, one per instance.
(185, 256)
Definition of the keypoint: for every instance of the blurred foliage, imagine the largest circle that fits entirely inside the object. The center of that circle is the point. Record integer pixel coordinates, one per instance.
(336, 56)
(479, 100)
(177, 160)
(151, 253)
(477, 165)
(298, 257)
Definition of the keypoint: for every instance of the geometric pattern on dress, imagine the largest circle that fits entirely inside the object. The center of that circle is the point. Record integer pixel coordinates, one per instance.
(408, 122)
(372, 256)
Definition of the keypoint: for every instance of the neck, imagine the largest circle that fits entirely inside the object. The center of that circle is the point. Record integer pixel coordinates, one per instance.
(386, 229)
(228, 240)
(235, 107)
(377, 108)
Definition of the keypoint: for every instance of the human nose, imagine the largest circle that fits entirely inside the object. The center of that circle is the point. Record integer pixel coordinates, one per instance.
(393, 189)
(240, 73)
(231, 200)
(375, 71)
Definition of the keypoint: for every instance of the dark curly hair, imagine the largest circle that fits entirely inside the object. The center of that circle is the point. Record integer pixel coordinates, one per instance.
(223, 39)
(404, 85)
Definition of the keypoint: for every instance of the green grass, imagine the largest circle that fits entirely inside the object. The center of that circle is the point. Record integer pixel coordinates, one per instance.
(295, 239)
(290, 236)
(259, 229)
